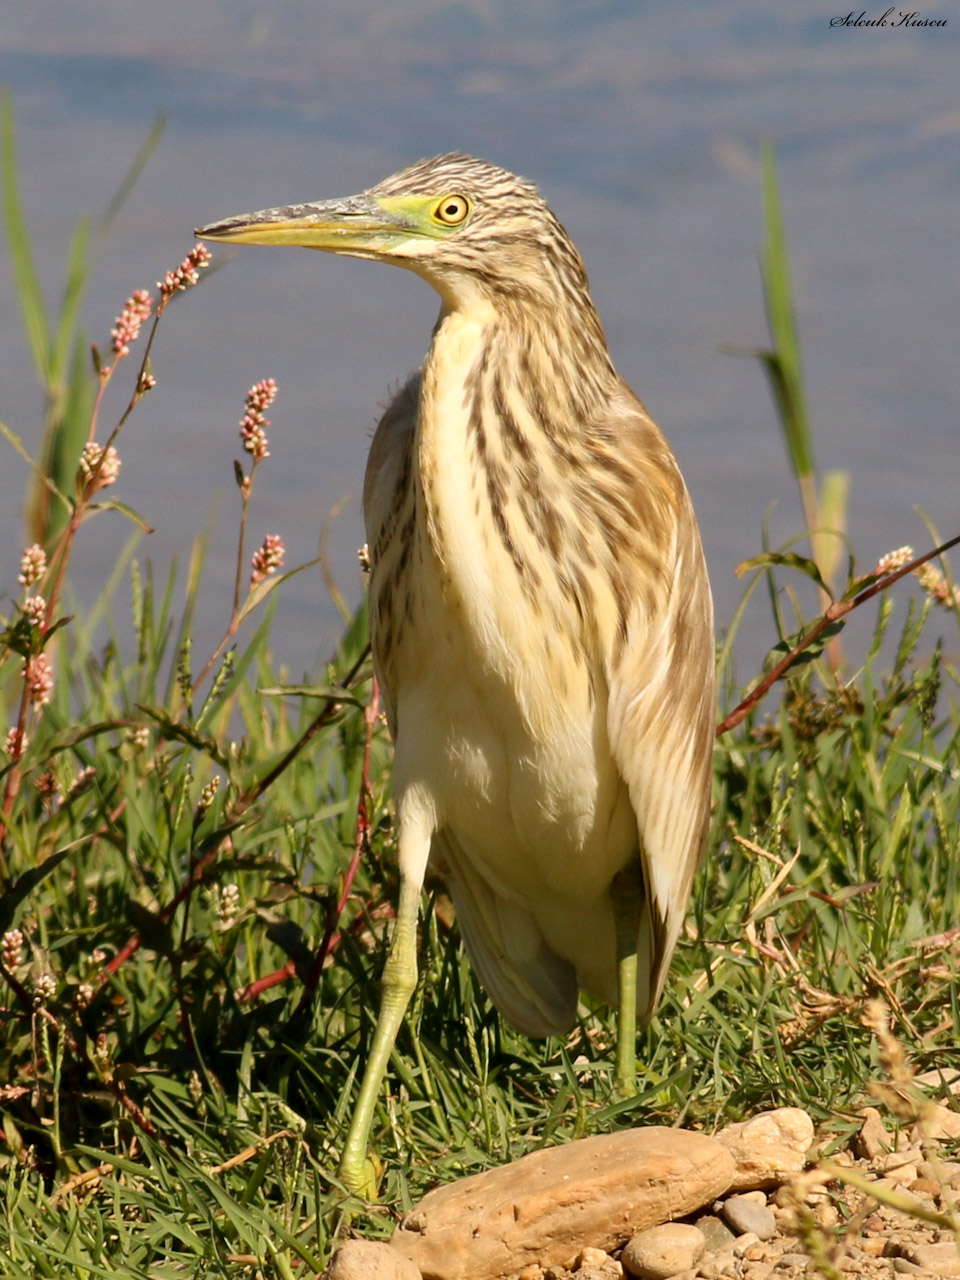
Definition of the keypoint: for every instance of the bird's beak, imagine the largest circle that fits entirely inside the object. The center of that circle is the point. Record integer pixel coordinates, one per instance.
(359, 226)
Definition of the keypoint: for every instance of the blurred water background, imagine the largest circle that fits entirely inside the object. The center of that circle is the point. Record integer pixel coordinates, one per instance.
(642, 124)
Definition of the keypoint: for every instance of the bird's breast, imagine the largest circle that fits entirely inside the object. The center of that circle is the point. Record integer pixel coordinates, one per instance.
(497, 708)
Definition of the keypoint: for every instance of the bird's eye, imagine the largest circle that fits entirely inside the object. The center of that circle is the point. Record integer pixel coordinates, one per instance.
(452, 210)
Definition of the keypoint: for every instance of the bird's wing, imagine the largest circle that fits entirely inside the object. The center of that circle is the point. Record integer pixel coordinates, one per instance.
(388, 497)
(660, 665)
(533, 987)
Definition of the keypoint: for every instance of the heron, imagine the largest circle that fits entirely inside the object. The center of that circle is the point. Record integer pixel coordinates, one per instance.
(540, 615)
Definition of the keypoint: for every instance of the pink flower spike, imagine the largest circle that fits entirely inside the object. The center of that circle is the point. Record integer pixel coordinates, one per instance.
(38, 674)
(268, 559)
(893, 561)
(91, 466)
(33, 565)
(35, 608)
(135, 313)
(186, 274)
(252, 428)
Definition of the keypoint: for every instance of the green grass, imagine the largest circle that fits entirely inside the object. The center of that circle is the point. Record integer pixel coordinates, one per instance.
(195, 992)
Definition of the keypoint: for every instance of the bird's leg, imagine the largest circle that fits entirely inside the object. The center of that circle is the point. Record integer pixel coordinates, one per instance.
(397, 986)
(627, 895)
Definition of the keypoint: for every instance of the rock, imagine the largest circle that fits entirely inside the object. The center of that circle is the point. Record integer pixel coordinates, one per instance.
(937, 1124)
(596, 1260)
(369, 1260)
(744, 1243)
(742, 1214)
(717, 1234)
(946, 1078)
(940, 1259)
(769, 1149)
(546, 1206)
(938, 1170)
(873, 1141)
(723, 1265)
(660, 1252)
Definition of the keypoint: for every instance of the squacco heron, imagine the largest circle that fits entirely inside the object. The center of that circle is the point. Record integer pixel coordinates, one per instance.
(540, 614)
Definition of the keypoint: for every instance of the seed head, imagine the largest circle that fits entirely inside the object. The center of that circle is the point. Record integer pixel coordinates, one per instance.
(268, 559)
(183, 276)
(135, 313)
(937, 587)
(226, 903)
(38, 674)
(12, 948)
(33, 565)
(893, 561)
(15, 742)
(207, 794)
(109, 469)
(252, 427)
(35, 608)
(44, 987)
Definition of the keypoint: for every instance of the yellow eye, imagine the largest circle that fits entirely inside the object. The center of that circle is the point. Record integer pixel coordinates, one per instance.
(452, 210)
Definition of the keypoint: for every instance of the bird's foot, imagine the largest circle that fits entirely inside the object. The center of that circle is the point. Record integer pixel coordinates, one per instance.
(360, 1174)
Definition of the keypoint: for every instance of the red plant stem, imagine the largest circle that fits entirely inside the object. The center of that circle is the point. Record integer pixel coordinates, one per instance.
(836, 611)
(360, 845)
(254, 989)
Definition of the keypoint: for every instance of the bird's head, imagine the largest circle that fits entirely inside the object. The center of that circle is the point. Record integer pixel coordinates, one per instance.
(467, 226)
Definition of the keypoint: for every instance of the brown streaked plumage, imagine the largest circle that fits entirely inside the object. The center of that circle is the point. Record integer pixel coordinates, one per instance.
(540, 615)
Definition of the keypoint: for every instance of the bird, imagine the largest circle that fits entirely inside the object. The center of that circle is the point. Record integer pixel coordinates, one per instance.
(541, 618)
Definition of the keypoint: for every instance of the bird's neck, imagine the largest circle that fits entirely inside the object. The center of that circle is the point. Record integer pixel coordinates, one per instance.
(545, 354)
(506, 408)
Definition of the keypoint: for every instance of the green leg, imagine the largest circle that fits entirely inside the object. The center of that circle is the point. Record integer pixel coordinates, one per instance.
(626, 892)
(399, 981)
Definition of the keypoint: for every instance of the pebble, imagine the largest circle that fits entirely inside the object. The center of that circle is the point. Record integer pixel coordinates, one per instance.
(938, 1170)
(827, 1214)
(660, 1252)
(597, 1260)
(717, 1234)
(743, 1214)
(873, 1141)
(769, 1149)
(719, 1267)
(940, 1124)
(743, 1244)
(369, 1260)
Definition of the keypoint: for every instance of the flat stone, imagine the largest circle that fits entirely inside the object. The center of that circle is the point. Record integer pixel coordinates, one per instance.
(769, 1149)
(942, 1259)
(743, 1214)
(661, 1252)
(946, 1077)
(545, 1207)
(369, 1260)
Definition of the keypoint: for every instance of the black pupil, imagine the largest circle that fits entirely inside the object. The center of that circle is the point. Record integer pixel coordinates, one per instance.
(452, 209)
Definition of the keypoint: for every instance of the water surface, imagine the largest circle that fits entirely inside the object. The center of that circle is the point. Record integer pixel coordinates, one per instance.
(642, 125)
